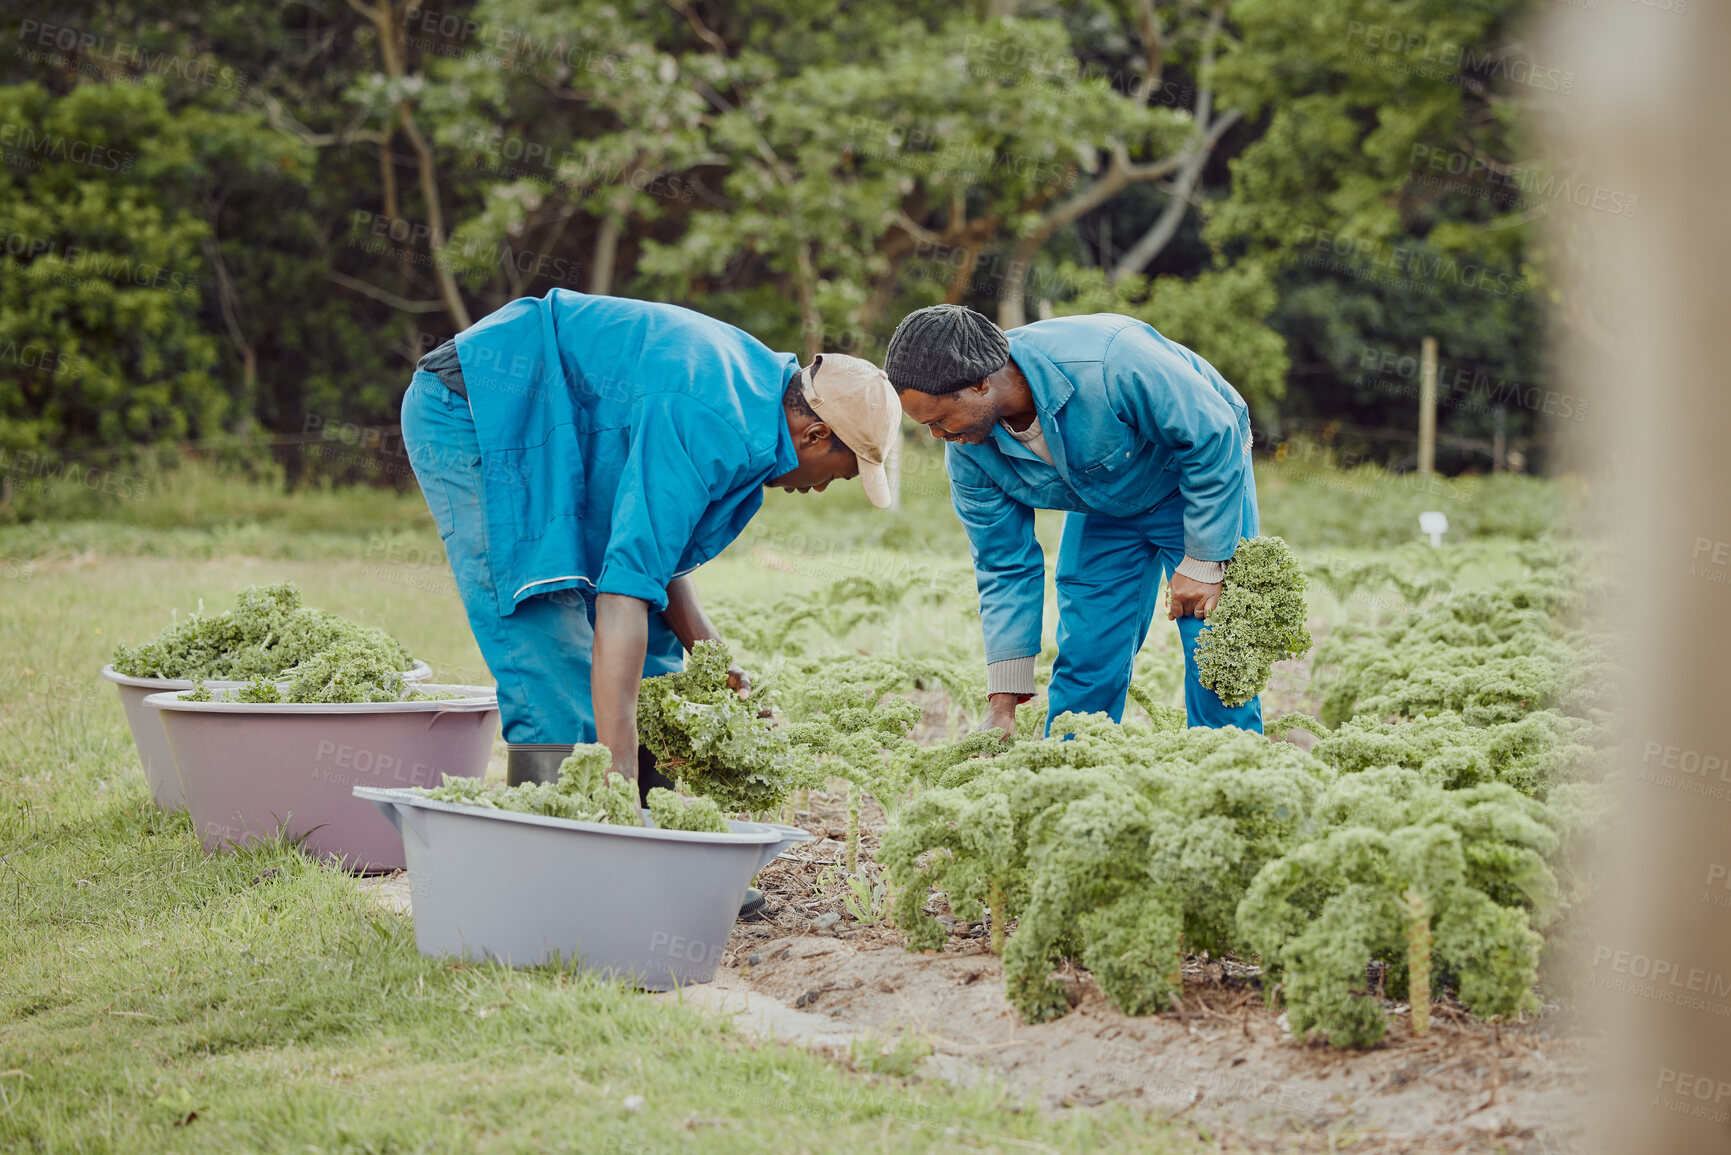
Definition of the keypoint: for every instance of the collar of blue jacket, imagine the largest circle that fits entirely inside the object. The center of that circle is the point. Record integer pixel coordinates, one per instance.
(623, 442)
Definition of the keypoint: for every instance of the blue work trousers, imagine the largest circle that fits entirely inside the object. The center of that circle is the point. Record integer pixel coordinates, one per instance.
(540, 654)
(1109, 575)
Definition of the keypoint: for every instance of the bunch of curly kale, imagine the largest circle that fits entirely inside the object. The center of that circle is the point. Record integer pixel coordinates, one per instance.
(587, 791)
(1261, 619)
(267, 633)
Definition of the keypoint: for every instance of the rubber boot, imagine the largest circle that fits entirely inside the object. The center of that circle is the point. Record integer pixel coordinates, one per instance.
(535, 762)
(648, 777)
(540, 761)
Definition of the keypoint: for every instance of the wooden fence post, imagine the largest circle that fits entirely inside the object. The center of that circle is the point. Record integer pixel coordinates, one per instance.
(1427, 407)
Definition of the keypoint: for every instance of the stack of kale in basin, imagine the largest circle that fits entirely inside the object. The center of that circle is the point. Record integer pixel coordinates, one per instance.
(270, 637)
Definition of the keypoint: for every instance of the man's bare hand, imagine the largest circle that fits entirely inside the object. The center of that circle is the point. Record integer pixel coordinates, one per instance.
(1186, 597)
(1001, 715)
(739, 681)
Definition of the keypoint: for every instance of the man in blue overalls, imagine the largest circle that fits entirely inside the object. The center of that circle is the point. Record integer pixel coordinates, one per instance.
(1139, 439)
(581, 456)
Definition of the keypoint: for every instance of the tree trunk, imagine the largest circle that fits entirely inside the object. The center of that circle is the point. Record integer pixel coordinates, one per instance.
(1138, 256)
(810, 319)
(1160, 233)
(228, 301)
(385, 22)
(964, 273)
(1012, 307)
(606, 254)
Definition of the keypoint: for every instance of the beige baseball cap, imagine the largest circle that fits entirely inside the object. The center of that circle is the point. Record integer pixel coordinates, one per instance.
(855, 399)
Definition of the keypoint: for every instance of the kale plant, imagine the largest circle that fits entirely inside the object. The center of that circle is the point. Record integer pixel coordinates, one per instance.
(347, 672)
(847, 723)
(1121, 876)
(1054, 829)
(1123, 846)
(1261, 619)
(1407, 871)
(1417, 572)
(1533, 754)
(1490, 655)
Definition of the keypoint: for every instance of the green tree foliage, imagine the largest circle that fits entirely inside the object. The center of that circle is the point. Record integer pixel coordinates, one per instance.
(346, 186)
(101, 275)
(1220, 313)
(942, 138)
(267, 633)
(1376, 191)
(1261, 619)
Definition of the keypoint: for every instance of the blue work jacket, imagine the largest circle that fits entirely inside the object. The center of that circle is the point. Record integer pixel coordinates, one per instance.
(1130, 418)
(623, 443)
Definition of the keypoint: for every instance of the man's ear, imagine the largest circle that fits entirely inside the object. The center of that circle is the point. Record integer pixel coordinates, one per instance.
(815, 432)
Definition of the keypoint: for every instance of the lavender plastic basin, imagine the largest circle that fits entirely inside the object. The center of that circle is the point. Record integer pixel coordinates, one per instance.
(152, 743)
(249, 770)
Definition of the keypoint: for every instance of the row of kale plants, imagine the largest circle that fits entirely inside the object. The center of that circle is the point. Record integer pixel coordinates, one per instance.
(1432, 827)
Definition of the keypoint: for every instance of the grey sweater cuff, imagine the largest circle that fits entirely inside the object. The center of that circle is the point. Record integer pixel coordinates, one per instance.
(1011, 676)
(1211, 572)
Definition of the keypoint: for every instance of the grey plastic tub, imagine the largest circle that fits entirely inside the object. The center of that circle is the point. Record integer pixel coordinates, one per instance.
(650, 906)
(249, 770)
(152, 743)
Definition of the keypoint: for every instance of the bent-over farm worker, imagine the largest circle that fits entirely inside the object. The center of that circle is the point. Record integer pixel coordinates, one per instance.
(1144, 445)
(581, 456)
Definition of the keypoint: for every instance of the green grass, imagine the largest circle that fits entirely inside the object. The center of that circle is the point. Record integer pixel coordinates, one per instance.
(161, 999)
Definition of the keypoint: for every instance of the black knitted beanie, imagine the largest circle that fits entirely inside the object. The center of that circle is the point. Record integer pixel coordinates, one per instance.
(944, 348)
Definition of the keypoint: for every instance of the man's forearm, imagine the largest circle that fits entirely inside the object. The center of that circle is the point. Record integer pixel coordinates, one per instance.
(685, 617)
(684, 613)
(621, 641)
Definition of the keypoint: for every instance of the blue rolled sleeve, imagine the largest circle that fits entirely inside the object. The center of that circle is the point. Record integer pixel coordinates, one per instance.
(1009, 566)
(1169, 401)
